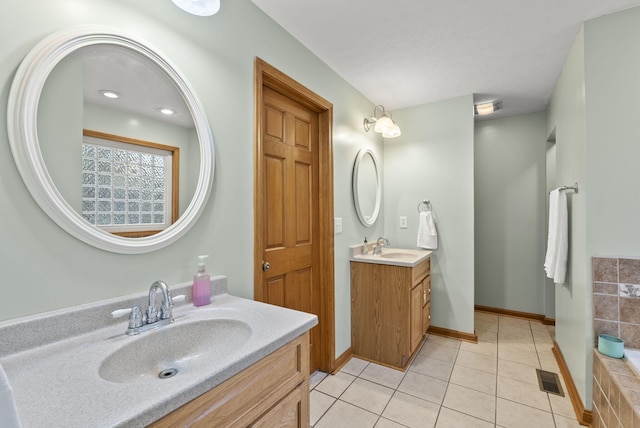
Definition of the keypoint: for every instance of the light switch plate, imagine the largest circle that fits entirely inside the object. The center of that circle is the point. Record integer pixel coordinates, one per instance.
(337, 225)
(403, 222)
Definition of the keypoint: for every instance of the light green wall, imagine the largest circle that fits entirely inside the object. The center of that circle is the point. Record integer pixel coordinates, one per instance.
(510, 196)
(566, 114)
(433, 159)
(44, 268)
(612, 62)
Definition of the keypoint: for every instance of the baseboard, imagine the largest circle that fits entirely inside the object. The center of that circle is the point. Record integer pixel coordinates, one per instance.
(517, 314)
(585, 417)
(454, 334)
(342, 360)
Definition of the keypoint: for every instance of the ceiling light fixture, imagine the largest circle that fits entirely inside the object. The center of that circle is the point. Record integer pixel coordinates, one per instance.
(483, 109)
(166, 111)
(199, 7)
(384, 124)
(110, 94)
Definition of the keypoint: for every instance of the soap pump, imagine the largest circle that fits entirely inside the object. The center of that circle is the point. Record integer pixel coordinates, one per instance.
(201, 285)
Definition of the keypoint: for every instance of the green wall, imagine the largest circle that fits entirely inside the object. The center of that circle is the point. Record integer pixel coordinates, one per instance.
(510, 195)
(43, 268)
(433, 160)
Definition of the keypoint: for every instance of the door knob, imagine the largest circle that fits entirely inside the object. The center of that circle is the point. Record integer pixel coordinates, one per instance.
(266, 266)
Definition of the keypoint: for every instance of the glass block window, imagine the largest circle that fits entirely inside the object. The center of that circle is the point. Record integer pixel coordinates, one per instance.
(126, 187)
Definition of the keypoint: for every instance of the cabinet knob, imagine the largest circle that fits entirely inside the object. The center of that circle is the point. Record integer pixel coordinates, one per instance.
(429, 317)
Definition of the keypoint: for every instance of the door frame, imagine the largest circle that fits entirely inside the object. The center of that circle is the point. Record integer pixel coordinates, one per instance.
(267, 75)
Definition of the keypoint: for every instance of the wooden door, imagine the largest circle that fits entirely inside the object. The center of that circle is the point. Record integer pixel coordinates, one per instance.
(289, 211)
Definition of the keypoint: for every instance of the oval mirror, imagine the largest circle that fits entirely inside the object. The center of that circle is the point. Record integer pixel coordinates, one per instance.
(118, 173)
(367, 187)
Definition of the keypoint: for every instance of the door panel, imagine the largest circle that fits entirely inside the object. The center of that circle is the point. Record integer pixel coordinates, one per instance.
(290, 223)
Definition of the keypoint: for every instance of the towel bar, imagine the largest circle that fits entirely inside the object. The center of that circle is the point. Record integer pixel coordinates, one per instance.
(574, 188)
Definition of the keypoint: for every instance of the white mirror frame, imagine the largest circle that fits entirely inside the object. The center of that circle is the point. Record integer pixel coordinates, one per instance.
(370, 221)
(22, 110)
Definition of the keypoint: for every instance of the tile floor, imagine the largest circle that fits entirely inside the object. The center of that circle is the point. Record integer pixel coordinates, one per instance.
(451, 384)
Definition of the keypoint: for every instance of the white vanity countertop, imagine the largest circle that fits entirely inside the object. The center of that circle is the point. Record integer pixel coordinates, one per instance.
(58, 384)
(390, 256)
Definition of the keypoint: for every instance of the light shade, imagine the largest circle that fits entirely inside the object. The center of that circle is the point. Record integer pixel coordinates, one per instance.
(199, 7)
(393, 132)
(486, 108)
(383, 123)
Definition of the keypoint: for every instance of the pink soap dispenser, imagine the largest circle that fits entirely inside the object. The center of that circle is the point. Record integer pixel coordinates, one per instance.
(201, 285)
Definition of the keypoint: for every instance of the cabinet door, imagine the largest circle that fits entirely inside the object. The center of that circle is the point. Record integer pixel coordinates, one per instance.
(426, 304)
(291, 412)
(416, 316)
(426, 317)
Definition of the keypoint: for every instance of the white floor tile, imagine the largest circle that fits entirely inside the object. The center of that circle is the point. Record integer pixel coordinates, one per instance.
(335, 385)
(514, 415)
(474, 379)
(477, 361)
(470, 402)
(355, 366)
(424, 387)
(345, 415)
(319, 403)
(368, 395)
(316, 378)
(451, 384)
(432, 367)
(451, 419)
(411, 411)
(382, 375)
(523, 393)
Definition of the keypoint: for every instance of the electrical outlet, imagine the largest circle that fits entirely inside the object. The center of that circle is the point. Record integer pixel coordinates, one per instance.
(403, 222)
(337, 225)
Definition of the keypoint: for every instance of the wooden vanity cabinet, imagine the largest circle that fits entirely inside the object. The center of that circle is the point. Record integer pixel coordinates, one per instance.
(274, 392)
(390, 310)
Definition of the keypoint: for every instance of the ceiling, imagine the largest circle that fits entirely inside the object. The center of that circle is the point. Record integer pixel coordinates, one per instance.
(405, 53)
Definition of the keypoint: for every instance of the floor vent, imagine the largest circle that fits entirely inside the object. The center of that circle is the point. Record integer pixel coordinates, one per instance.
(549, 382)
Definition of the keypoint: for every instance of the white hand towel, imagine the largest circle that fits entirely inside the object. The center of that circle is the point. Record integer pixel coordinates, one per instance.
(555, 263)
(427, 235)
(8, 413)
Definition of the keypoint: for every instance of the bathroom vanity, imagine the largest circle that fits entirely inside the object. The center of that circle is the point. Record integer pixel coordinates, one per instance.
(390, 304)
(235, 362)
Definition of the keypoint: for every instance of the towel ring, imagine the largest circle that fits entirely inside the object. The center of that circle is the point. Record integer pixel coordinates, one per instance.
(425, 203)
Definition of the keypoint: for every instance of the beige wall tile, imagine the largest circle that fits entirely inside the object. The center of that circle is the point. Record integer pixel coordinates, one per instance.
(630, 333)
(629, 271)
(630, 310)
(605, 307)
(605, 288)
(626, 413)
(605, 269)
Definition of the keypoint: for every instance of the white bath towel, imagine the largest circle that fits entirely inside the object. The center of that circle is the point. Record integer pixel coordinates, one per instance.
(8, 413)
(555, 263)
(427, 234)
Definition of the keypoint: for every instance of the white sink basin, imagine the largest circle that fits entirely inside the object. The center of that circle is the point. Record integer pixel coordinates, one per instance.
(400, 256)
(391, 256)
(159, 354)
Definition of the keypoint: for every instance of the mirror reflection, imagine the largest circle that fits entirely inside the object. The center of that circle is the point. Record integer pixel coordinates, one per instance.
(366, 187)
(118, 140)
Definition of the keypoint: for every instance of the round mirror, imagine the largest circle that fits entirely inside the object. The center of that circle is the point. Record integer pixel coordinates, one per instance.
(91, 136)
(367, 187)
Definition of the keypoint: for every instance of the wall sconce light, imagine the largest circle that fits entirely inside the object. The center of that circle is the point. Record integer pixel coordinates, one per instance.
(383, 123)
(486, 108)
(199, 7)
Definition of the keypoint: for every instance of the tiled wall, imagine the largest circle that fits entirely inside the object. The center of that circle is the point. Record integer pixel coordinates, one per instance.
(616, 393)
(616, 299)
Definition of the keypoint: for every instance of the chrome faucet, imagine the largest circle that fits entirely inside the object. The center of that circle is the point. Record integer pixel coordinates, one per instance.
(166, 306)
(380, 243)
(139, 323)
